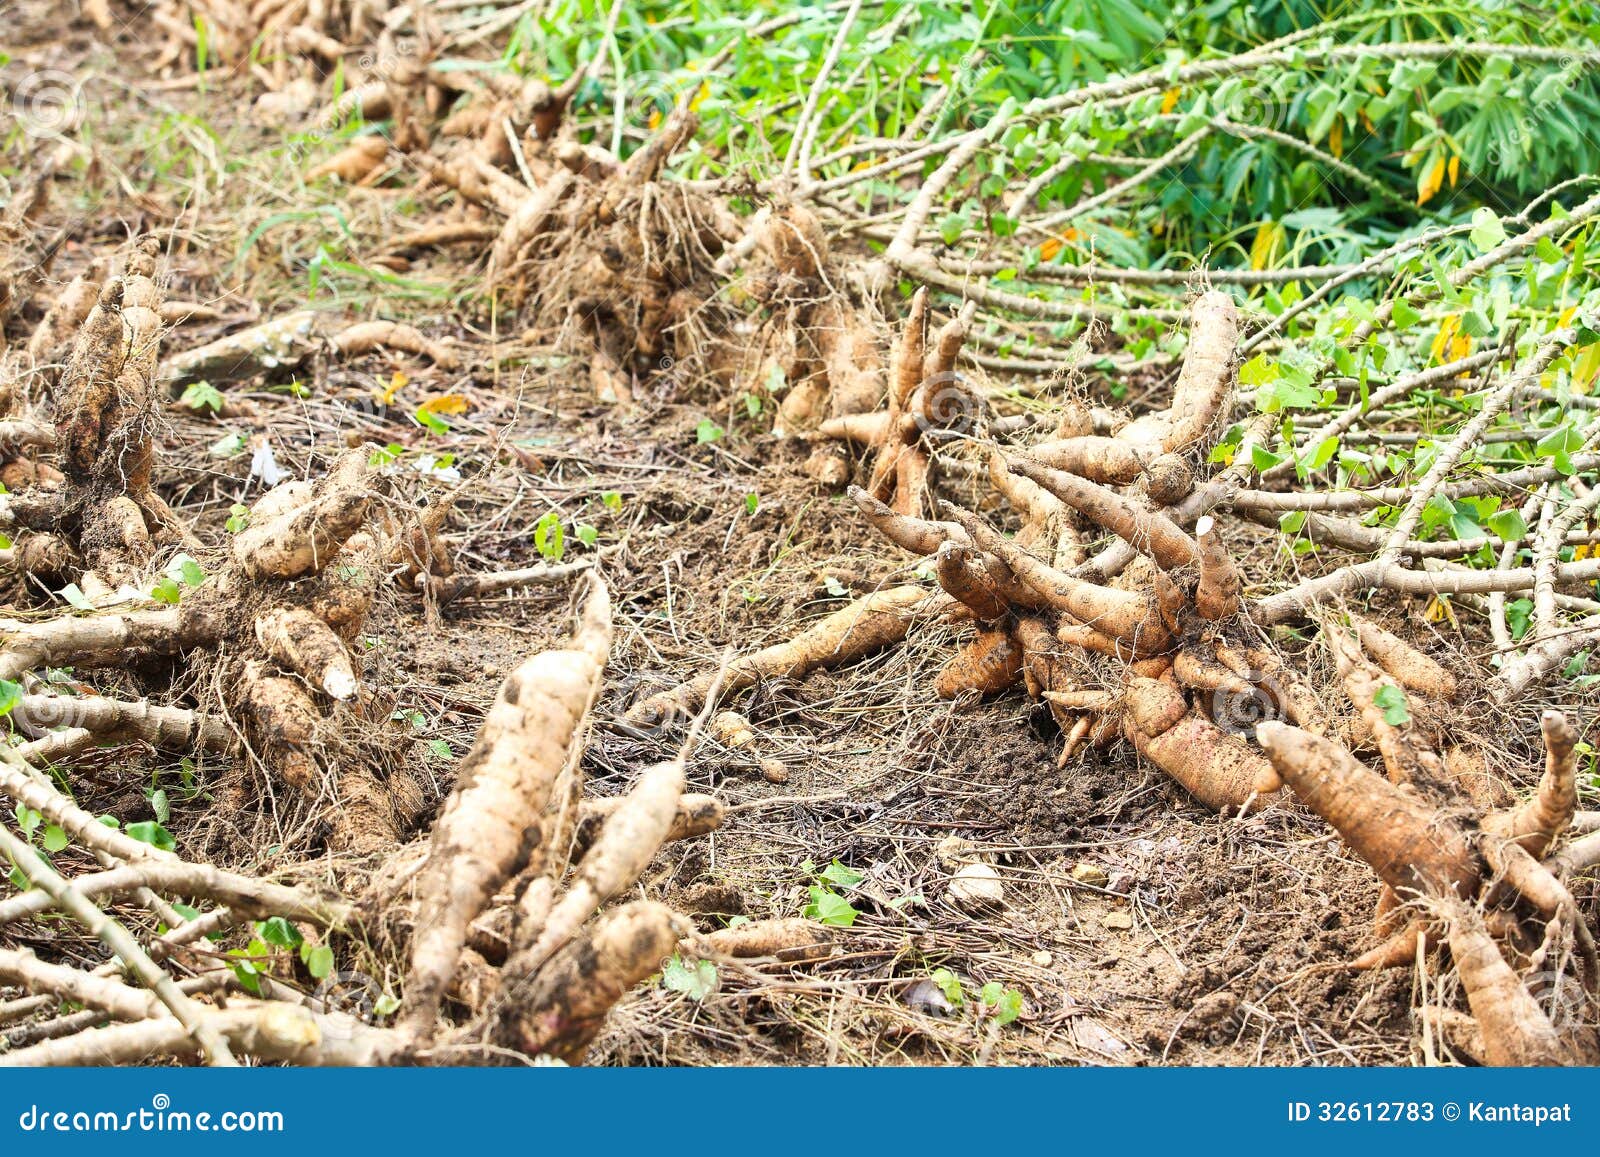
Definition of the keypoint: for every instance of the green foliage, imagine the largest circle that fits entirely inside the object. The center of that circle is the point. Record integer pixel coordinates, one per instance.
(825, 905)
(1392, 701)
(278, 934)
(994, 1001)
(152, 833)
(202, 396)
(549, 539)
(696, 980)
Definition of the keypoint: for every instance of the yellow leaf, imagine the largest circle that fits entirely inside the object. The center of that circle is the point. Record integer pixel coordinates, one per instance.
(396, 384)
(1440, 611)
(1445, 339)
(446, 404)
(1455, 170)
(1584, 550)
(1265, 246)
(1053, 245)
(700, 94)
(1431, 182)
(1566, 316)
(1586, 367)
(655, 121)
(1336, 137)
(1169, 100)
(1366, 121)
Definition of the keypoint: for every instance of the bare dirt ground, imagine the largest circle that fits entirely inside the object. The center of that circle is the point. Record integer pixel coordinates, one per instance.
(1138, 928)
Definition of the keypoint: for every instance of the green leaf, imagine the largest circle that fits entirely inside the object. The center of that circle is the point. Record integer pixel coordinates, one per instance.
(829, 907)
(1519, 613)
(238, 518)
(10, 695)
(439, 749)
(245, 973)
(586, 534)
(696, 981)
(161, 805)
(278, 931)
(1262, 458)
(548, 538)
(611, 500)
(1320, 455)
(707, 431)
(319, 962)
(203, 396)
(949, 984)
(1560, 441)
(152, 833)
(1508, 525)
(752, 503)
(430, 421)
(192, 573)
(1487, 231)
(54, 839)
(1392, 701)
(1288, 394)
(841, 876)
(1006, 1002)
(1258, 371)
(166, 590)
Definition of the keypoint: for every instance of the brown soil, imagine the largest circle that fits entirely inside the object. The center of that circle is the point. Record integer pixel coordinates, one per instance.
(1184, 939)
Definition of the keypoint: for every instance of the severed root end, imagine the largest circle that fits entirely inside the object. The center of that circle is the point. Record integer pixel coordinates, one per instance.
(297, 639)
(560, 1009)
